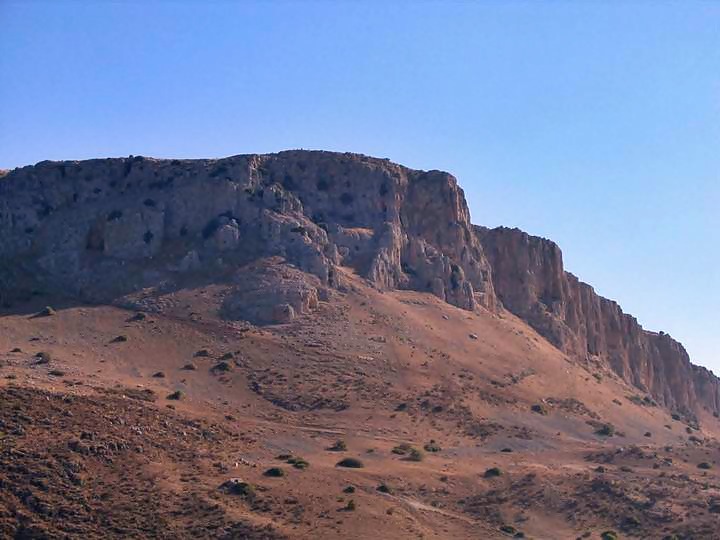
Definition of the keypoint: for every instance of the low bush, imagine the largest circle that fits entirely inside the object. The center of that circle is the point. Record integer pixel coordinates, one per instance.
(350, 463)
(338, 446)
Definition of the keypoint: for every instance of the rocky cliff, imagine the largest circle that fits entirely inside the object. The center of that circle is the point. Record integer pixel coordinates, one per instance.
(531, 282)
(102, 228)
(105, 228)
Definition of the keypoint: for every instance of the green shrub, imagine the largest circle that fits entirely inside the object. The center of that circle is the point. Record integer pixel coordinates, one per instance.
(43, 357)
(606, 430)
(492, 472)
(222, 367)
(350, 463)
(432, 446)
(402, 449)
(338, 446)
(238, 487)
(539, 409)
(274, 472)
(176, 395)
(298, 462)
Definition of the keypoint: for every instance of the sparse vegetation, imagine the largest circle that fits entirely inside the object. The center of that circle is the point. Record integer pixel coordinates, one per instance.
(401, 449)
(43, 357)
(338, 446)
(298, 462)
(274, 472)
(238, 487)
(605, 430)
(492, 472)
(704, 465)
(176, 395)
(47, 311)
(539, 408)
(350, 463)
(222, 367)
(432, 446)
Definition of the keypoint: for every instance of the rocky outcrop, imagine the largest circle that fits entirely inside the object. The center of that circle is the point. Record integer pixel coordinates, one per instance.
(269, 292)
(104, 228)
(531, 282)
(101, 228)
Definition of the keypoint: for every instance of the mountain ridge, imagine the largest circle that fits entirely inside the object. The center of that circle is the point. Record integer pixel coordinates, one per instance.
(103, 228)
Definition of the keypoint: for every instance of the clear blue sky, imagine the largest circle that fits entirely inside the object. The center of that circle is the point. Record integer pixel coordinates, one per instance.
(596, 124)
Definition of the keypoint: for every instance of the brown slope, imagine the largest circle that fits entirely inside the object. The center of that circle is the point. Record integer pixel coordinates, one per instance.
(375, 369)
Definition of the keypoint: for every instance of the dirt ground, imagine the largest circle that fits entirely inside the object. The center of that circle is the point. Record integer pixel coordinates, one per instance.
(177, 424)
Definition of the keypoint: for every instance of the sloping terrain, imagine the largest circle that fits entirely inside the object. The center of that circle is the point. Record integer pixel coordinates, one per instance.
(321, 345)
(92, 445)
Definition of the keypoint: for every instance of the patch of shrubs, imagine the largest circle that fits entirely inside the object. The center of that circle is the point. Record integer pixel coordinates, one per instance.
(297, 462)
(492, 472)
(274, 472)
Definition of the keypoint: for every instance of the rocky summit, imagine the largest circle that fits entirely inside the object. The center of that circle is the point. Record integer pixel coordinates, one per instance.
(322, 345)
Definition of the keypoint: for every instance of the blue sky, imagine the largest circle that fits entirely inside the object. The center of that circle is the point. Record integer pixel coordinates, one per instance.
(596, 124)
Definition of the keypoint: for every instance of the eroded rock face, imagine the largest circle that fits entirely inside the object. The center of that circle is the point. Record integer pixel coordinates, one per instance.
(101, 228)
(104, 228)
(270, 292)
(531, 282)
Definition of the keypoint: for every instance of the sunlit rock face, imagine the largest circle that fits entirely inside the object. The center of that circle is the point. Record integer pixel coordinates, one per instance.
(103, 228)
(530, 281)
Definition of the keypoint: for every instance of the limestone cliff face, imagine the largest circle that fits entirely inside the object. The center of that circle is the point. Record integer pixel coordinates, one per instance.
(104, 228)
(531, 282)
(100, 228)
